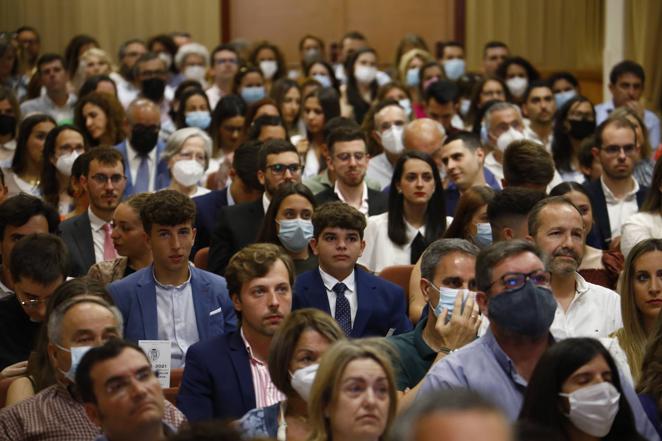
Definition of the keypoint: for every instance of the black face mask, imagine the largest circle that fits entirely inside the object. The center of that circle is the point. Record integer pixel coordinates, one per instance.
(580, 129)
(7, 125)
(144, 139)
(153, 89)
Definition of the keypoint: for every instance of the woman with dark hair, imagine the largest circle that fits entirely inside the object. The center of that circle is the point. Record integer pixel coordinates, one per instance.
(193, 110)
(517, 73)
(486, 91)
(269, 58)
(319, 107)
(574, 122)
(647, 223)
(265, 106)
(361, 88)
(287, 223)
(166, 48)
(429, 72)
(74, 50)
(650, 383)
(575, 390)
(249, 84)
(470, 221)
(98, 83)
(416, 215)
(323, 72)
(287, 95)
(62, 146)
(25, 171)
(601, 267)
(101, 118)
(227, 132)
(10, 77)
(10, 114)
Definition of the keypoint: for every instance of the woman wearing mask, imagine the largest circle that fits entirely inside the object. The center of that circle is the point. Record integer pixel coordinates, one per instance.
(361, 88)
(574, 122)
(249, 84)
(62, 146)
(101, 119)
(193, 110)
(415, 218)
(394, 91)
(227, 132)
(269, 58)
(10, 114)
(130, 241)
(409, 73)
(517, 73)
(641, 301)
(287, 95)
(323, 73)
(319, 108)
(25, 171)
(353, 397)
(575, 392)
(287, 223)
(470, 221)
(187, 154)
(294, 354)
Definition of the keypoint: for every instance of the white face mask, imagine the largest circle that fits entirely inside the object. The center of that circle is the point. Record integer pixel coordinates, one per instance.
(324, 80)
(392, 139)
(302, 380)
(365, 74)
(268, 68)
(593, 408)
(65, 162)
(405, 103)
(196, 73)
(517, 86)
(465, 104)
(167, 59)
(504, 140)
(188, 172)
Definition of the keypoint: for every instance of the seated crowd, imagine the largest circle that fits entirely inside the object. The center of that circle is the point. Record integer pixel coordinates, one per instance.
(216, 245)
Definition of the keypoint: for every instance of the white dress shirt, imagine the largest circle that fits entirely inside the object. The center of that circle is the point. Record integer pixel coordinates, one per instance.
(620, 210)
(494, 166)
(380, 170)
(363, 208)
(134, 163)
(176, 319)
(98, 234)
(351, 294)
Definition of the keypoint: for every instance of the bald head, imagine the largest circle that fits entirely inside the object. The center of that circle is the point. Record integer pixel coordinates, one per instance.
(425, 135)
(140, 108)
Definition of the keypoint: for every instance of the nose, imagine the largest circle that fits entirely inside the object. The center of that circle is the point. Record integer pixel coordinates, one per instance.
(175, 243)
(656, 285)
(621, 154)
(114, 233)
(274, 301)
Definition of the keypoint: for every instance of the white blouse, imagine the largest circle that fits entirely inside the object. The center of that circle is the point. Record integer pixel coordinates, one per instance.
(638, 227)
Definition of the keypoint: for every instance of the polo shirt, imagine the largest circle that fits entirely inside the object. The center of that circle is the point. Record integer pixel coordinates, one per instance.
(415, 357)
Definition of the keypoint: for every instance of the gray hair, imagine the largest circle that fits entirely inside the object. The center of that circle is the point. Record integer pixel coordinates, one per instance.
(496, 253)
(496, 107)
(179, 137)
(438, 249)
(189, 49)
(449, 400)
(57, 316)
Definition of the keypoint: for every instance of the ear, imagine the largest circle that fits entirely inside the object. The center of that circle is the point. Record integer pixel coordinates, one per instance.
(508, 233)
(585, 170)
(92, 413)
(504, 183)
(611, 88)
(329, 164)
(425, 285)
(83, 182)
(313, 246)
(530, 239)
(362, 247)
(236, 302)
(261, 177)
(194, 231)
(596, 152)
(481, 300)
(232, 173)
(525, 111)
(480, 154)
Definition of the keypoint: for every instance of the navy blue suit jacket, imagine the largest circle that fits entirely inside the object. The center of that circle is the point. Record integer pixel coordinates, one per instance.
(206, 215)
(162, 174)
(77, 236)
(135, 296)
(217, 381)
(381, 304)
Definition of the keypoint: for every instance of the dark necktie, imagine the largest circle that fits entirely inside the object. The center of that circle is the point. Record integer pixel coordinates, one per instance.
(343, 312)
(417, 248)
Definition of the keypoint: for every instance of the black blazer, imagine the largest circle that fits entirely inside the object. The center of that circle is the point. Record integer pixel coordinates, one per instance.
(377, 200)
(207, 208)
(600, 235)
(77, 236)
(237, 227)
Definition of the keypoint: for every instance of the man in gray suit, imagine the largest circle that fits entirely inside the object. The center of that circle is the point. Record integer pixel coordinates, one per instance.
(88, 235)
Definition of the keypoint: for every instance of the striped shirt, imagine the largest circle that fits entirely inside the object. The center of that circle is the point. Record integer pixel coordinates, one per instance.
(266, 393)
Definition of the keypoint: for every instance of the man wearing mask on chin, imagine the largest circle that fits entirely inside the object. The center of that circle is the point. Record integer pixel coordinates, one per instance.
(502, 125)
(389, 122)
(85, 320)
(142, 151)
(151, 73)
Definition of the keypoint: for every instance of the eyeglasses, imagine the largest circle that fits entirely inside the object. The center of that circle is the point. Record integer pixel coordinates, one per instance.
(613, 150)
(102, 179)
(33, 302)
(512, 281)
(279, 169)
(344, 157)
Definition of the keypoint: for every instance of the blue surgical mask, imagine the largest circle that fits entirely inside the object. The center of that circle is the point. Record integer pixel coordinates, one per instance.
(412, 79)
(406, 104)
(294, 234)
(324, 80)
(483, 235)
(200, 119)
(252, 94)
(454, 68)
(563, 97)
(77, 353)
(447, 298)
(528, 310)
(465, 105)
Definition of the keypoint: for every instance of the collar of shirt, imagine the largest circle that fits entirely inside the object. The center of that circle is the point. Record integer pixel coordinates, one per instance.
(329, 281)
(230, 198)
(95, 221)
(265, 201)
(491, 160)
(9, 145)
(364, 196)
(611, 199)
(71, 100)
(413, 231)
(502, 358)
(248, 347)
(135, 156)
(174, 287)
(581, 286)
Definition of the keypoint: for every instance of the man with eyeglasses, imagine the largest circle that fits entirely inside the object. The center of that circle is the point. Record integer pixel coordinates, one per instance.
(616, 195)
(389, 122)
(38, 266)
(238, 225)
(88, 235)
(224, 65)
(348, 160)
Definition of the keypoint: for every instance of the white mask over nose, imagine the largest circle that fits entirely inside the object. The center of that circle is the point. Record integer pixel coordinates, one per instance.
(511, 135)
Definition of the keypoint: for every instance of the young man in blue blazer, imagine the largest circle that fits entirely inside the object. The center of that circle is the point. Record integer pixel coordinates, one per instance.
(362, 304)
(171, 299)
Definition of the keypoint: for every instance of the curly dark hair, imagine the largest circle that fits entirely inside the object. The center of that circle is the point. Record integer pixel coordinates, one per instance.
(114, 116)
(167, 207)
(338, 214)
